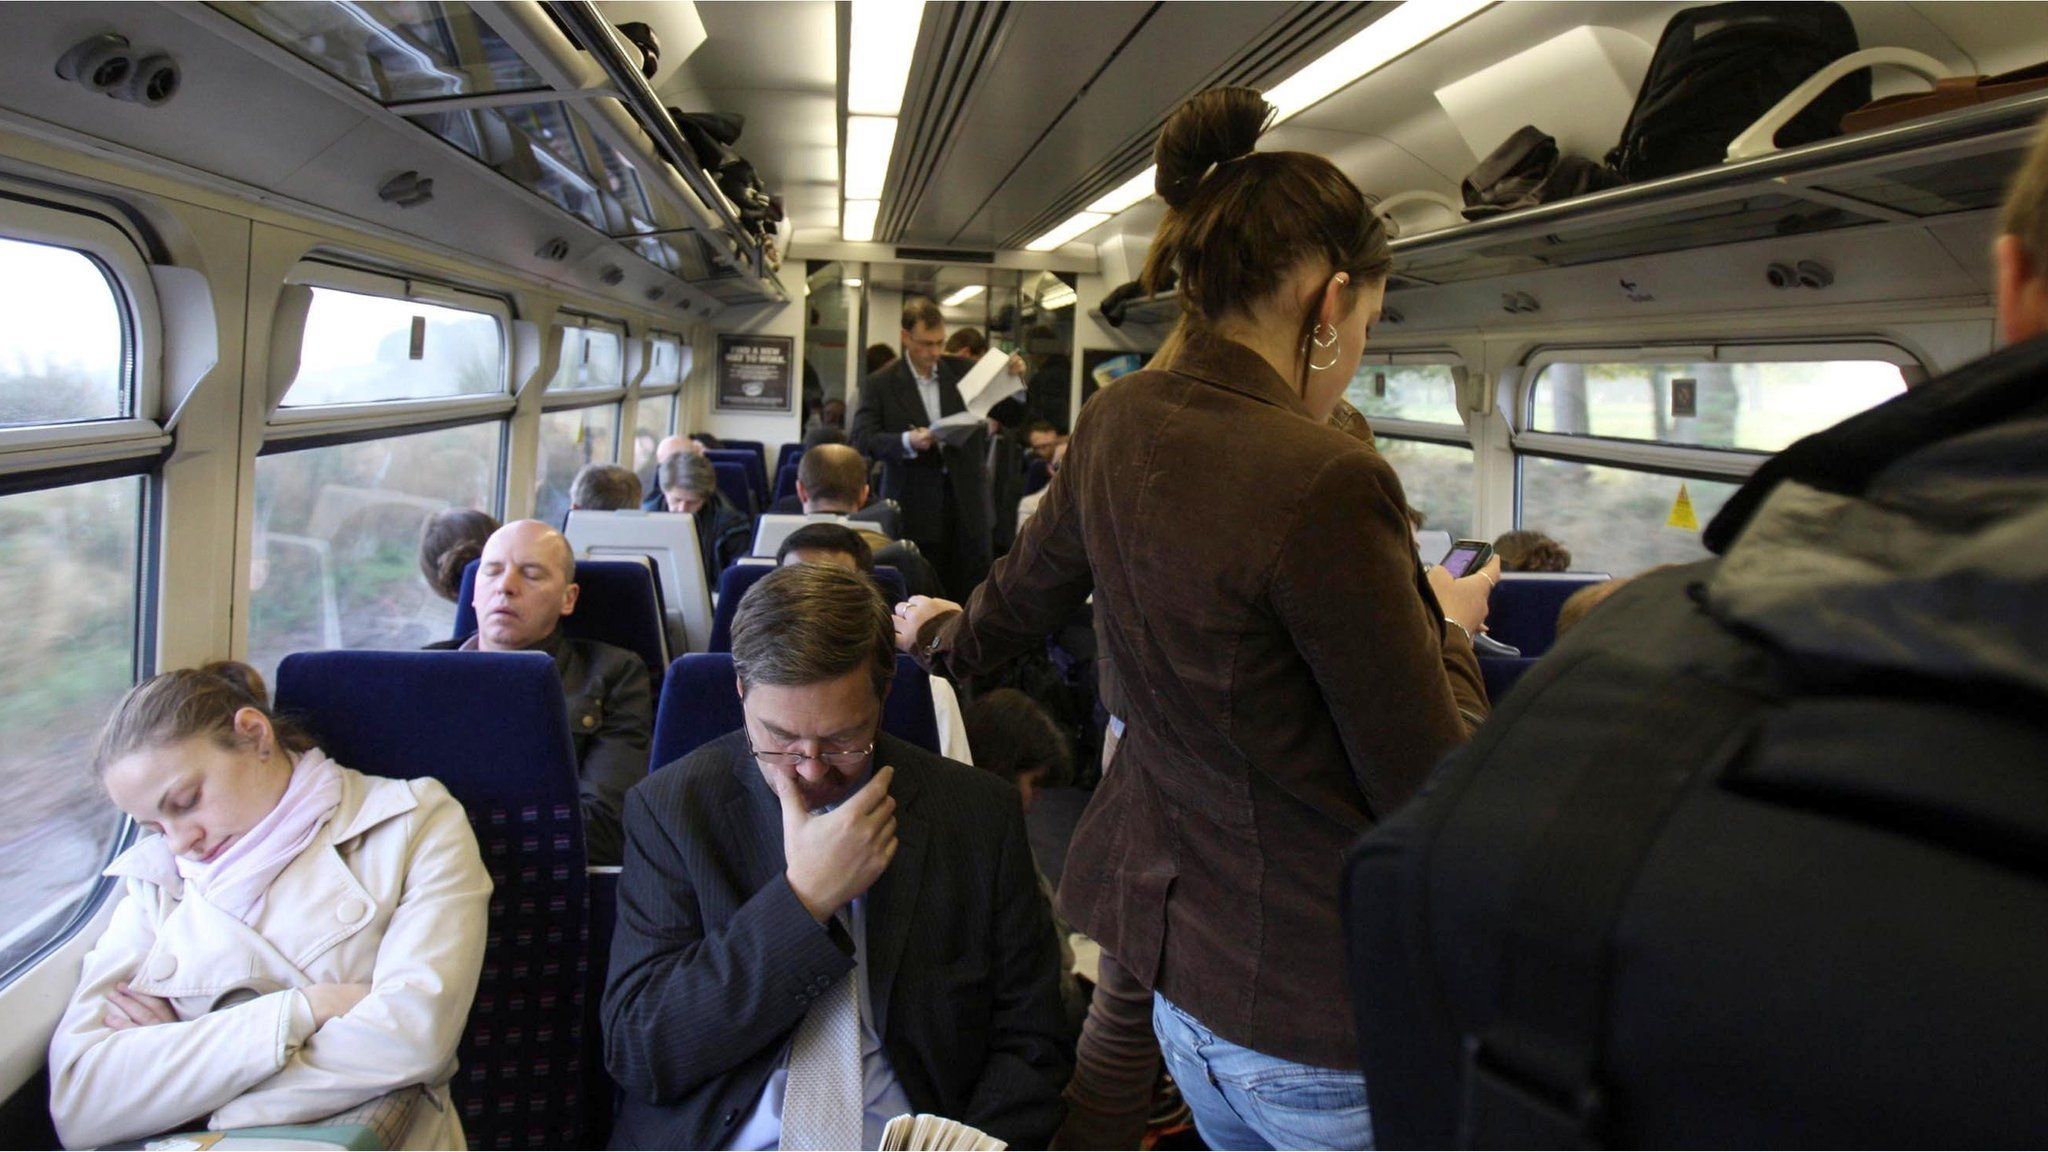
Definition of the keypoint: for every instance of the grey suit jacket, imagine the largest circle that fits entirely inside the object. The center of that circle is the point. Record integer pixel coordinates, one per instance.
(715, 961)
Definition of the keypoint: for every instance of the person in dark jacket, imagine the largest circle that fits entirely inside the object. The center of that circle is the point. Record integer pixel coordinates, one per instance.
(724, 533)
(525, 584)
(1285, 670)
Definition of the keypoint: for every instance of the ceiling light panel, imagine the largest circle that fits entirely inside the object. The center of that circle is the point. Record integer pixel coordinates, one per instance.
(1128, 193)
(869, 142)
(1074, 226)
(963, 296)
(883, 39)
(857, 226)
(1404, 29)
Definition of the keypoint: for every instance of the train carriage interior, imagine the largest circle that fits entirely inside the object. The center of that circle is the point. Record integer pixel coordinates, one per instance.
(281, 281)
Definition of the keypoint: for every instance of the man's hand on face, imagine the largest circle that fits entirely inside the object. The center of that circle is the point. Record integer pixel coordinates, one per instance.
(837, 856)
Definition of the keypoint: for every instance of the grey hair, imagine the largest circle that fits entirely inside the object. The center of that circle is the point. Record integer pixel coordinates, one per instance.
(688, 471)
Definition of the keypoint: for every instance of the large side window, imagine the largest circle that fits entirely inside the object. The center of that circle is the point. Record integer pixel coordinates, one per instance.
(1624, 457)
(569, 439)
(342, 494)
(73, 553)
(1413, 407)
(667, 362)
(593, 356)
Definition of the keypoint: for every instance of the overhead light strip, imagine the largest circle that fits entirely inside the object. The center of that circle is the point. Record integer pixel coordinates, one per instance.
(1385, 40)
(882, 40)
(857, 225)
(963, 296)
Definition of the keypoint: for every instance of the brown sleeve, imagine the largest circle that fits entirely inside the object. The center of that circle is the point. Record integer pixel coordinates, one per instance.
(1351, 594)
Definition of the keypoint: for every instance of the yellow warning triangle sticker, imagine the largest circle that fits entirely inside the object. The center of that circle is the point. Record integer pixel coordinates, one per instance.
(1681, 512)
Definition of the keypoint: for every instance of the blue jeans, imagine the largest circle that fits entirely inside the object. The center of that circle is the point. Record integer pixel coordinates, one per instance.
(1246, 1099)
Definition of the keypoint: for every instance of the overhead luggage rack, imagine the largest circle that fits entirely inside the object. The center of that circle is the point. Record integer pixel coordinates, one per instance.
(1957, 162)
(545, 96)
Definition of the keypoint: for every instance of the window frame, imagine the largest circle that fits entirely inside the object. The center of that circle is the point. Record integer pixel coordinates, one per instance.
(325, 421)
(38, 216)
(1429, 431)
(552, 399)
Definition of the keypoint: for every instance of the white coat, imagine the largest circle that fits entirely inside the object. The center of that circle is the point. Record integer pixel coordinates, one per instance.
(391, 893)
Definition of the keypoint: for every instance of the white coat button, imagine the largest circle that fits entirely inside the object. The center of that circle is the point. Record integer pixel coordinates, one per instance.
(162, 966)
(350, 910)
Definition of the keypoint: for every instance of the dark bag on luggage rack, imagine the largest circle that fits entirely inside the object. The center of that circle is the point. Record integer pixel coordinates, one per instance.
(1757, 856)
(1529, 169)
(1718, 69)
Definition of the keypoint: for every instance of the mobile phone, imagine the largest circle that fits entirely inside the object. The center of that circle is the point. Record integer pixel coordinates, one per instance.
(1466, 557)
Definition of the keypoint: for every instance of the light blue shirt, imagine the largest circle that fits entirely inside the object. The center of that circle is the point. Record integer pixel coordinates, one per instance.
(928, 391)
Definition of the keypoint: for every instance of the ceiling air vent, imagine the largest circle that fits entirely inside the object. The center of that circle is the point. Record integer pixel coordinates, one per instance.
(406, 190)
(556, 250)
(613, 276)
(654, 294)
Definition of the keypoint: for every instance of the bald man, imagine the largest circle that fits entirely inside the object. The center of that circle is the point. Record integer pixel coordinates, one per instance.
(525, 584)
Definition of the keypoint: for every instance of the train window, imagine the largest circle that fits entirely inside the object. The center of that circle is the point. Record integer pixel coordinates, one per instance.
(592, 357)
(1618, 520)
(1438, 480)
(1753, 406)
(1424, 393)
(336, 548)
(361, 348)
(569, 439)
(656, 419)
(71, 576)
(64, 350)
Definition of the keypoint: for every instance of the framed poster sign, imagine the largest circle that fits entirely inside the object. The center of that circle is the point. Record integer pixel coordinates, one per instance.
(755, 373)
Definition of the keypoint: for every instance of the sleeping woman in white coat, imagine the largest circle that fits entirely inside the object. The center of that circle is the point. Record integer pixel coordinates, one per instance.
(295, 940)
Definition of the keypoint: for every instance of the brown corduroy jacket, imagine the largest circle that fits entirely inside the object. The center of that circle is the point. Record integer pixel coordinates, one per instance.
(1281, 665)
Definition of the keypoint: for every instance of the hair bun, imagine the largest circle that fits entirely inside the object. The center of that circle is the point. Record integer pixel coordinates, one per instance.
(242, 678)
(1212, 128)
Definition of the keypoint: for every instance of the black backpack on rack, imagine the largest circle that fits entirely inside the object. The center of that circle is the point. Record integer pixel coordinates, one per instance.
(1718, 69)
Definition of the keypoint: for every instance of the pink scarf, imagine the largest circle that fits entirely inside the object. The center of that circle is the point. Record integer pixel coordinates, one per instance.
(237, 881)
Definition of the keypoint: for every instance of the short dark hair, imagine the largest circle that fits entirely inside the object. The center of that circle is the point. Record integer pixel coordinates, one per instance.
(604, 488)
(1040, 426)
(969, 341)
(707, 439)
(878, 357)
(921, 311)
(809, 623)
(833, 472)
(1012, 736)
(451, 539)
(828, 538)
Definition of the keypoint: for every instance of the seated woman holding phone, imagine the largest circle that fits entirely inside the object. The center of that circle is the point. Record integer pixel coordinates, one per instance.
(295, 940)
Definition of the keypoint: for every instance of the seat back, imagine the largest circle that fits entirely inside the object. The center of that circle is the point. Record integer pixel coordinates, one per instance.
(790, 454)
(771, 530)
(1432, 545)
(893, 588)
(732, 481)
(1524, 607)
(618, 603)
(669, 539)
(751, 463)
(785, 481)
(700, 702)
(1501, 673)
(734, 582)
(757, 447)
(494, 729)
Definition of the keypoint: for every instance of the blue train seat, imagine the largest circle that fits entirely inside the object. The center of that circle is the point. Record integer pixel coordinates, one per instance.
(732, 481)
(785, 481)
(493, 728)
(1524, 607)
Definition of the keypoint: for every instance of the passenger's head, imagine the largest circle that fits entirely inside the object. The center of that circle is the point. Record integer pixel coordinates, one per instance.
(1013, 737)
(1272, 247)
(1578, 604)
(924, 334)
(827, 433)
(525, 584)
(878, 357)
(814, 650)
(675, 446)
(834, 544)
(833, 413)
(197, 755)
(832, 478)
(2021, 252)
(687, 482)
(451, 539)
(1526, 551)
(705, 440)
(1042, 438)
(604, 488)
(967, 342)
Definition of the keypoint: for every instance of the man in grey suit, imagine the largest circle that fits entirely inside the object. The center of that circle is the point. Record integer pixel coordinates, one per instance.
(942, 487)
(821, 927)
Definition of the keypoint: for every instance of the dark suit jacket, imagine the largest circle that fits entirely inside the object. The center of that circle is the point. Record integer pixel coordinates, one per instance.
(715, 961)
(889, 407)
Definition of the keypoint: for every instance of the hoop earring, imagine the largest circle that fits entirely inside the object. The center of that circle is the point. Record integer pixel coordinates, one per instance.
(1316, 336)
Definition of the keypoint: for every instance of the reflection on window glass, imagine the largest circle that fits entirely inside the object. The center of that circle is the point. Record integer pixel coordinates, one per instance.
(393, 51)
(69, 574)
(62, 346)
(665, 364)
(360, 349)
(656, 418)
(1615, 520)
(1425, 392)
(1437, 479)
(336, 562)
(1758, 407)
(568, 441)
(591, 358)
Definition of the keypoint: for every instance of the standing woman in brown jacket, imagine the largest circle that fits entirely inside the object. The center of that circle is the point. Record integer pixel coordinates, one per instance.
(1285, 672)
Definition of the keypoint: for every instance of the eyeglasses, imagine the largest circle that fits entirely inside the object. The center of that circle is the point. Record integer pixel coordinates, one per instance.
(849, 759)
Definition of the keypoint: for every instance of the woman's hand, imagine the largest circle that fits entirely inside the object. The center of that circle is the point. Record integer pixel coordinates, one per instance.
(331, 1000)
(1466, 600)
(127, 1008)
(913, 614)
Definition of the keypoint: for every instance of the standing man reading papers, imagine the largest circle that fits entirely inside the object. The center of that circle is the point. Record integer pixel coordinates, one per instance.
(822, 927)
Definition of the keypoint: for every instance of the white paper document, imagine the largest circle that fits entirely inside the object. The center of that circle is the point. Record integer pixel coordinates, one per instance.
(988, 383)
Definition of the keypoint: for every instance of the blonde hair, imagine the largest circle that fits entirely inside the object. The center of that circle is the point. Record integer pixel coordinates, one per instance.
(174, 706)
(2026, 203)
